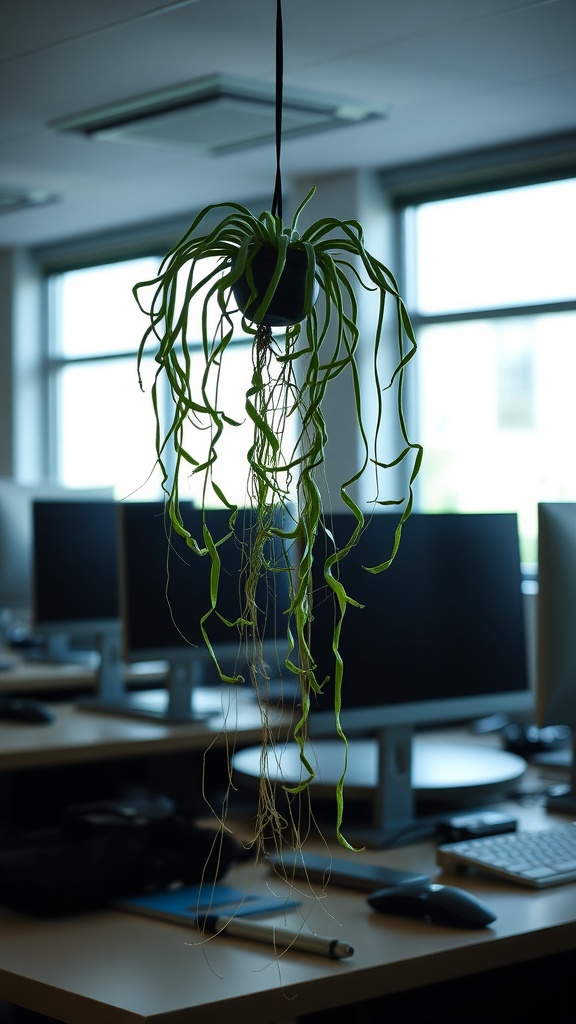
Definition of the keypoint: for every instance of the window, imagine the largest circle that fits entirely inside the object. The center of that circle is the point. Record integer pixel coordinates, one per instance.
(102, 423)
(492, 292)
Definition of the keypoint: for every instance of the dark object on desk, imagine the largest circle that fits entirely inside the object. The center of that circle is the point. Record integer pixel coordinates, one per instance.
(351, 874)
(74, 867)
(442, 904)
(90, 818)
(526, 739)
(25, 710)
(23, 640)
(473, 826)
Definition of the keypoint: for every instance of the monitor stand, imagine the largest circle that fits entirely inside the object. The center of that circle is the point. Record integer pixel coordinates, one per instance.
(393, 790)
(56, 650)
(413, 766)
(172, 703)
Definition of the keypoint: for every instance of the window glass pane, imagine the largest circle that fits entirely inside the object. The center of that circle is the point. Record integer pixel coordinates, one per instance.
(105, 428)
(97, 313)
(498, 416)
(497, 249)
(230, 469)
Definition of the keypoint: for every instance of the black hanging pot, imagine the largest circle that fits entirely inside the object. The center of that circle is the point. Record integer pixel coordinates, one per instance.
(288, 303)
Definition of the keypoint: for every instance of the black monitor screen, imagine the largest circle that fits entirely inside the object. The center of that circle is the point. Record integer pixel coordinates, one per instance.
(16, 536)
(75, 564)
(556, 679)
(556, 647)
(165, 586)
(443, 624)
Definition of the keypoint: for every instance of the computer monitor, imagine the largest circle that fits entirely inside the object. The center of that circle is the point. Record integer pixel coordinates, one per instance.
(15, 546)
(440, 639)
(75, 596)
(165, 592)
(16, 527)
(556, 628)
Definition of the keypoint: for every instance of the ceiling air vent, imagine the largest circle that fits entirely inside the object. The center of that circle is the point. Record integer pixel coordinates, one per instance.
(216, 114)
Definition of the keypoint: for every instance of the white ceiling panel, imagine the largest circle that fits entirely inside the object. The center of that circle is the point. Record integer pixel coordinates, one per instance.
(456, 76)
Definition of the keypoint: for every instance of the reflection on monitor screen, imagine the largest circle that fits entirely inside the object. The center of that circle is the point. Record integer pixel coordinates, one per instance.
(556, 630)
(440, 639)
(165, 592)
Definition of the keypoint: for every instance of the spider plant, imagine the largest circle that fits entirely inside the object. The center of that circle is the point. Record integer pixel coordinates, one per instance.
(243, 267)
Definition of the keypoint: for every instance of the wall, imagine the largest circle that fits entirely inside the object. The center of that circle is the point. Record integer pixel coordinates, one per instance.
(22, 442)
(359, 196)
(7, 290)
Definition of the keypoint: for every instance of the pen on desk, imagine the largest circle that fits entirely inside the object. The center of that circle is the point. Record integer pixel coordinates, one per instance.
(280, 938)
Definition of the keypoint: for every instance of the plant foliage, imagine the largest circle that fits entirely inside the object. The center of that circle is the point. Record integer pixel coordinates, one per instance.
(292, 371)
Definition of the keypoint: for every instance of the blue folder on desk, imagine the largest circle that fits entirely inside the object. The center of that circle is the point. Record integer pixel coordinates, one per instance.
(185, 904)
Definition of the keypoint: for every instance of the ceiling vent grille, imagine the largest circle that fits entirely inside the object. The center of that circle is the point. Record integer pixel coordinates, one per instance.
(217, 114)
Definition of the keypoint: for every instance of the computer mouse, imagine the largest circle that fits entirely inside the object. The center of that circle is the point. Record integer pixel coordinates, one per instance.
(441, 904)
(25, 710)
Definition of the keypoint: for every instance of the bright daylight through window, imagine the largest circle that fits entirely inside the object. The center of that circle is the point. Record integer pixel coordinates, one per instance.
(104, 423)
(493, 299)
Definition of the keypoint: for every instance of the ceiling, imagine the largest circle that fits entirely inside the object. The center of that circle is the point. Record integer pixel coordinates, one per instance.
(453, 75)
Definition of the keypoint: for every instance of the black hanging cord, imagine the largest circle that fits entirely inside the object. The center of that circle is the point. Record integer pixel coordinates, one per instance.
(277, 198)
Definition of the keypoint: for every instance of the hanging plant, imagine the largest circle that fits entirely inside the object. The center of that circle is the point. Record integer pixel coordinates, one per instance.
(297, 295)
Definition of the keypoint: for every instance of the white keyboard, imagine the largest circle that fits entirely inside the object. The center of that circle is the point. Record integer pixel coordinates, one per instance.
(534, 858)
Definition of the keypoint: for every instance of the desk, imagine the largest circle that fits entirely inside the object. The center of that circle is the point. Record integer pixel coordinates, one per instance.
(79, 735)
(87, 738)
(30, 676)
(111, 967)
(35, 676)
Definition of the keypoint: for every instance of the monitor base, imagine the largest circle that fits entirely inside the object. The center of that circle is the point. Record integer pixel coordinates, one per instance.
(147, 704)
(441, 770)
(392, 774)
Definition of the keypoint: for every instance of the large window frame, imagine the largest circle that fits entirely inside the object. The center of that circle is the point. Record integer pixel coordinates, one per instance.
(423, 321)
(56, 362)
(60, 364)
(148, 241)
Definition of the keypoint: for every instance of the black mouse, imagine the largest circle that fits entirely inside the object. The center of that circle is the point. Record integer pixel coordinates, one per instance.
(442, 904)
(25, 710)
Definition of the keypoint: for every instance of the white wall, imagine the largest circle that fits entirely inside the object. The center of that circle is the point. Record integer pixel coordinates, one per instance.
(359, 196)
(22, 442)
(7, 292)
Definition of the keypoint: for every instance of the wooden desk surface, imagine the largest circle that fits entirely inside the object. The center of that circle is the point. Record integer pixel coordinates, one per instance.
(23, 676)
(79, 735)
(112, 967)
